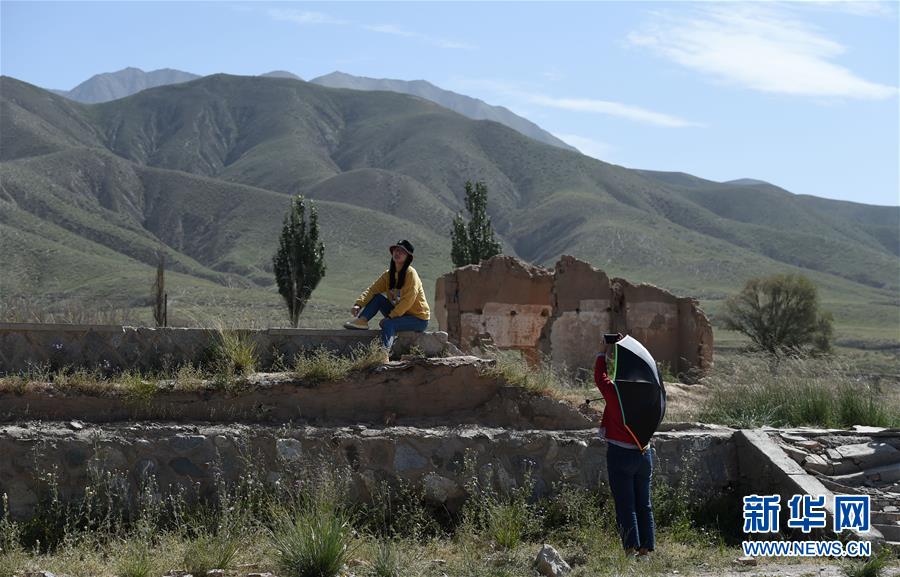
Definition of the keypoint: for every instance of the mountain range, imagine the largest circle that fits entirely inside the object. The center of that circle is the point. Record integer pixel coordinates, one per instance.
(115, 85)
(204, 169)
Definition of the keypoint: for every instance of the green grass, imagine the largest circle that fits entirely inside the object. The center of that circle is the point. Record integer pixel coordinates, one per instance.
(755, 391)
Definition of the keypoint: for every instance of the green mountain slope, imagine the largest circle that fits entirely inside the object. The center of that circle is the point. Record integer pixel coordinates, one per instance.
(205, 169)
(466, 105)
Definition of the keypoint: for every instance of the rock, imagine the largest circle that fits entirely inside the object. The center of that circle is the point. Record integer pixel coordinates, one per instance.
(178, 573)
(39, 574)
(406, 458)
(794, 453)
(868, 455)
(550, 563)
(215, 573)
(810, 445)
(184, 443)
(289, 450)
(817, 464)
(266, 574)
(76, 425)
(833, 455)
(746, 561)
(440, 489)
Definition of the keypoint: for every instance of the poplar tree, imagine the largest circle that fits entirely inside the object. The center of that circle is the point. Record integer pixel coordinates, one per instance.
(299, 262)
(474, 241)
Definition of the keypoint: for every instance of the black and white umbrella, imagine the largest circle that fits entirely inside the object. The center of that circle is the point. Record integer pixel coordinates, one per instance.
(642, 395)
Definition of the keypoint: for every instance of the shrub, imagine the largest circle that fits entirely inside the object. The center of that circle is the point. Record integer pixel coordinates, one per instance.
(387, 561)
(211, 551)
(508, 521)
(311, 541)
(234, 354)
(780, 314)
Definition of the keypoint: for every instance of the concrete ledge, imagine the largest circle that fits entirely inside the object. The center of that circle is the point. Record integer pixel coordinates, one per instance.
(767, 469)
(111, 347)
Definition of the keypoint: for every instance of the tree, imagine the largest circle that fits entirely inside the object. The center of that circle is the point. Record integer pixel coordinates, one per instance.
(161, 304)
(780, 314)
(473, 242)
(300, 260)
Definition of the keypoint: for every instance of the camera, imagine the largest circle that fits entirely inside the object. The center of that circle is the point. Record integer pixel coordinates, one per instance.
(610, 338)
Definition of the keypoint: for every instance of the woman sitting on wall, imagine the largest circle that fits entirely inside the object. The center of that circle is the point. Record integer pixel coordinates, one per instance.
(397, 294)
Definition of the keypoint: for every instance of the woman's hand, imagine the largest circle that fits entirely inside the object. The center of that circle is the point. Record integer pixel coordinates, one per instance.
(355, 311)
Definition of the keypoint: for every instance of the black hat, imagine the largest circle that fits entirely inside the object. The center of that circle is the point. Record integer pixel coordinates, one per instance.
(405, 245)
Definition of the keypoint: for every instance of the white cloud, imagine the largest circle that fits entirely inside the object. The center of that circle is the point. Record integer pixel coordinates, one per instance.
(304, 16)
(610, 108)
(762, 48)
(519, 95)
(853, 7)
(588, 146)
(397, 31)
(390, 29)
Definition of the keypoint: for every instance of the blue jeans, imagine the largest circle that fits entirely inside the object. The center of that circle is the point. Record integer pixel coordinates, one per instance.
(629, 481)
(381, 304)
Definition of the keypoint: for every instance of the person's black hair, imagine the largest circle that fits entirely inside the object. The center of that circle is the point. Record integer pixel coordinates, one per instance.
(401, 277)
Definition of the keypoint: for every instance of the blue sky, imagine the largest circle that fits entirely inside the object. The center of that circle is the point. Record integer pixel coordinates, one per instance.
(802, 94)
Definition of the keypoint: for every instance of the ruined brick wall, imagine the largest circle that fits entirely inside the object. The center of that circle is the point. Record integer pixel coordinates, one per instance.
(564, 312)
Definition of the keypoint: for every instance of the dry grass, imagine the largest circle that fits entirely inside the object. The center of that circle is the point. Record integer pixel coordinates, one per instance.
(323, 365)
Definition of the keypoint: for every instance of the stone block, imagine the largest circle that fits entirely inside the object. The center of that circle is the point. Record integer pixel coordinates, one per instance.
(289, 450)
(407, 458)
(868, 455)
(440, 489)
(817, 464)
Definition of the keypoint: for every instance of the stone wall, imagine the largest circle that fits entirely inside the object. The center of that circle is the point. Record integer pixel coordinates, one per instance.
(113, 347)
(564, 313)
(190, 458)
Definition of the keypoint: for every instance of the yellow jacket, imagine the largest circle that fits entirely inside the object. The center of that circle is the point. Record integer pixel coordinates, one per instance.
(410, 300)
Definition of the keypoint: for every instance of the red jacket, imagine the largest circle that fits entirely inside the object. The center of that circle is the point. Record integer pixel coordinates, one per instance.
(612, 414)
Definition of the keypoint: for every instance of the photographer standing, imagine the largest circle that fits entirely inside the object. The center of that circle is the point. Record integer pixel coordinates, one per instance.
(629, 465)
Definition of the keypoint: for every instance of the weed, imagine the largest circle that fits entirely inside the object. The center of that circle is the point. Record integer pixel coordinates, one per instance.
(212, 550)
(325, 365)
(312, 540)
(136, 387)
(234, 355)
(512, 368)
(137, 559)
(872, 567)
(387, 560)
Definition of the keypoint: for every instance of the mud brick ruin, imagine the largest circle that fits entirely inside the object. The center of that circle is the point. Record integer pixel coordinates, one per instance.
(563, 313)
